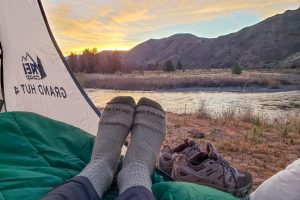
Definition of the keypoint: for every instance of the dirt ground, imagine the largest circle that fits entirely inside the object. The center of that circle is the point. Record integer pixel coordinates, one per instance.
(263, 153)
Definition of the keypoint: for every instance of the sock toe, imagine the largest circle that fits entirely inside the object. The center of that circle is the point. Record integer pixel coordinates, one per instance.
(148, 102)
(123, 100)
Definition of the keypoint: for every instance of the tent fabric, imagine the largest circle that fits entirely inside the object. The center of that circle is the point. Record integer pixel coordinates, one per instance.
(36, 78)
(38, 153)
(283, 185)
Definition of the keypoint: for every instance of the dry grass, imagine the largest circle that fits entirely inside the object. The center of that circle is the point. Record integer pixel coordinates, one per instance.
(250, 142)
(183, 79)
(203, 112)
(290, 126)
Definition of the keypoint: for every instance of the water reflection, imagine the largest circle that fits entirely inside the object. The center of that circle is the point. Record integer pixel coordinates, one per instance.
(270, 104)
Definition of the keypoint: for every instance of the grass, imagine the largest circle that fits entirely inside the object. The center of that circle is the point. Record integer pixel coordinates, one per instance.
(203, 112)
(290, 125)
(155, 80)
(233, 113)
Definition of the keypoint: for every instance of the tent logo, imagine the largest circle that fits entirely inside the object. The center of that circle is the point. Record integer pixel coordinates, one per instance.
(34, 70)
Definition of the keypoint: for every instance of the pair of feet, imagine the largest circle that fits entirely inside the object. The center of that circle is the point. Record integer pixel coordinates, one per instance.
(147, 123)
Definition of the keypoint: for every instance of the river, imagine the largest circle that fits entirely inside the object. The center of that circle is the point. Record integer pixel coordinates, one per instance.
(270, 104)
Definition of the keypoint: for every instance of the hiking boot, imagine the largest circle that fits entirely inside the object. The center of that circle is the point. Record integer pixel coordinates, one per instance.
(210, 169)
(167, 155)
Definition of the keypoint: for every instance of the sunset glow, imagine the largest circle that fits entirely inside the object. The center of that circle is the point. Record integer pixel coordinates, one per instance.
(122, 24)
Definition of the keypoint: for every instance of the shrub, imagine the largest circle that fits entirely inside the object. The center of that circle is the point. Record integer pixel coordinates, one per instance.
(273, 83)
(179, 65)
(236, 69)
(168, 66)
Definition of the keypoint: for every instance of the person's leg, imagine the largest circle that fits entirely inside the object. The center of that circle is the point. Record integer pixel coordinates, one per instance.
(114, 127)
(147, 134)
(137, 193)
(78, 187)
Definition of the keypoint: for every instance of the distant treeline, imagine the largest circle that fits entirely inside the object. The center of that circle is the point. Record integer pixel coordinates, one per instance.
(110, 62)
(91, 62)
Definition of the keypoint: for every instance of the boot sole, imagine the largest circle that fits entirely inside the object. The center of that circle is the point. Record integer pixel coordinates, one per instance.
(239, 192)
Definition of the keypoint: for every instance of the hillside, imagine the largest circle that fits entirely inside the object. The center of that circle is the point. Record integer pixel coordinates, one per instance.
(274, 42)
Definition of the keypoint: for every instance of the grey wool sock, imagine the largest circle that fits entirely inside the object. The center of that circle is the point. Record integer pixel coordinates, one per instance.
(114, 127)
(147, 134)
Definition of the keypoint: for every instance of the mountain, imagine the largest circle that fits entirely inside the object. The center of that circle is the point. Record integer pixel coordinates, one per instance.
(274, 42)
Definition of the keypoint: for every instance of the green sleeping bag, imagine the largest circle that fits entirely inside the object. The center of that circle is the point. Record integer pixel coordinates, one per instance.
(38, 153)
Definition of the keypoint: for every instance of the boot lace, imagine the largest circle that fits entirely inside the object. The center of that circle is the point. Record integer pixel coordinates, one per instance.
(226, 167)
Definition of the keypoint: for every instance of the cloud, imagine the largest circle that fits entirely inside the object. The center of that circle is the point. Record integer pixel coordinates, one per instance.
(110, 24)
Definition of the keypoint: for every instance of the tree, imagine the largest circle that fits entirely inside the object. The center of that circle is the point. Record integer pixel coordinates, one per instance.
(236, 69)
(114, 62)
(85, 60)
(168, 66)
(73, 62)
(157, 65)
(89, 61)
(179, 65)
(95, 61)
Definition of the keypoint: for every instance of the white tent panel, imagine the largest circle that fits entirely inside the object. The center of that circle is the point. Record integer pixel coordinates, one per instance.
(35, 75)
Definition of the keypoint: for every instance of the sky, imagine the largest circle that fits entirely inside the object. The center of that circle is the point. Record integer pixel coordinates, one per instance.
(122, 24)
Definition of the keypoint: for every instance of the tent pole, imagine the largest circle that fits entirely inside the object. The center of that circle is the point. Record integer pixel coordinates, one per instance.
(1, 78)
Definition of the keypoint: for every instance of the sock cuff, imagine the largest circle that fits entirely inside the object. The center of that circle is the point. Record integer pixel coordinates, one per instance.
(138, 155)
(134, 174)
(99, 175)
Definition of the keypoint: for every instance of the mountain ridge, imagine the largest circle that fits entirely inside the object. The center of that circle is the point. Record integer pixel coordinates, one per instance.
(265, 44)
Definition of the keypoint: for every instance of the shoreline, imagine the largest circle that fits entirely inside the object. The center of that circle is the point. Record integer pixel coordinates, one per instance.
(255, 89)
(270, 103)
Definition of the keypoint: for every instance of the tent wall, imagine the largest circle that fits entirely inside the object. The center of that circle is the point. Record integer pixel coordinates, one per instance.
(36, 77)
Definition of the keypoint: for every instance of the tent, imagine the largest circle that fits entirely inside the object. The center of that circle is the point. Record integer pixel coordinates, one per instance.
(35, 76)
